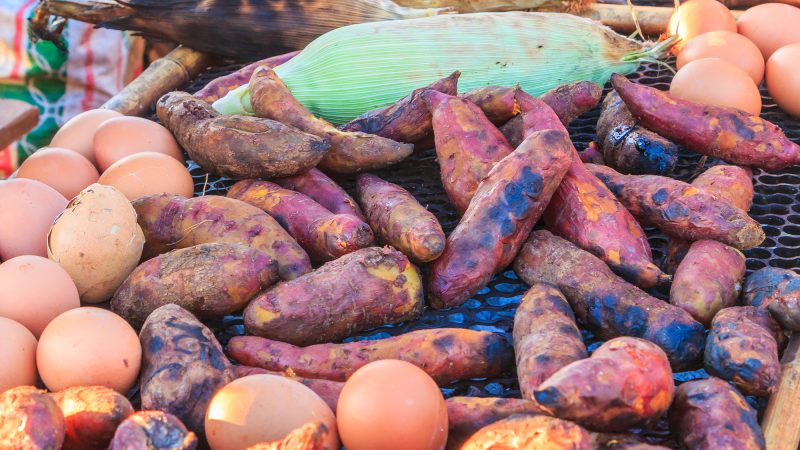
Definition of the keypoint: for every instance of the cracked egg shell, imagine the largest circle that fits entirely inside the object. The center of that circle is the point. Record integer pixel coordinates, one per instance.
(148, 173)
(97, 241)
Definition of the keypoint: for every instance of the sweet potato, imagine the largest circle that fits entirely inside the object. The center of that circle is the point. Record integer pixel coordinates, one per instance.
(592, 155)
(506, 206)
(530, 432)
(605, 303)
(238, 146)
(328, 391)
(153, 430)
(323, 235)
(777, 290)
(399, 220)
(92, 415)
(681, 210)
(729, 134)
(30, 420)
(183, 366)
(709, 414)
(467, 415)
(546, 337)
(446, 354)
(310, 436)
(498, 103)
(741, 350)
(219, 87)
(349, 152)
(173, 222)
(623, 441)
(208, 280)
(318, 187)
(365, 289)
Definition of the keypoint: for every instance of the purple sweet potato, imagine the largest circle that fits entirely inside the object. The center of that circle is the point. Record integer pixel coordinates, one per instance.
(328, 391)
(530, 432)
(30, 420)
(498, 103)
(318, 187)
(219, 87)
(592, 155)
(777, 290)
(153, 430)
(467, 415)
(92, 415)
(621, 441)
(310, 436)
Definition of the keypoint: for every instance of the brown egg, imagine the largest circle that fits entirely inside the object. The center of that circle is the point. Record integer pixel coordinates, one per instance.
(89, 347)
(65, 171)
(716, 82)
(124, 136)
(771, 26)
(78, 133)
(391, 405)
(726, 45)
(697, 17)
(27, 210)
(783, 78)
(264, 408)
(34, 291)
(17, 356)
(148, 173)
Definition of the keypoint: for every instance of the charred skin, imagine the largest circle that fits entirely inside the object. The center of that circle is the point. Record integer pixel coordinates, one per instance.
(467, 415)
(310, 436)
(446, 354)
(219, 87)
(328, 391)
(153, 430)
(349, 152)
(318, 187)
(505, 208)
(498, 103)
(622, 441)
(592, 155)
(777, 290)
(92, 415)
(30, 420)
(238, 146)
(530, 432)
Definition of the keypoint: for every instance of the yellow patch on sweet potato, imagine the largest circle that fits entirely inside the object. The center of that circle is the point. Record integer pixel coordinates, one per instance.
(593, 203)
(265, 315)
(691, 191)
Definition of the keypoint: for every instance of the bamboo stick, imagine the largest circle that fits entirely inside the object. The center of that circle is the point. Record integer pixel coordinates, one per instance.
(781, 422)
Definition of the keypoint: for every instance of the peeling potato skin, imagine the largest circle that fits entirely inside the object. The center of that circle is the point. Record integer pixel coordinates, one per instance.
(172, 222)
(318, 187)
(623, 441)
(153, 430)
(208, 280)
(183, 366)
(530, 432)
(709, 414)
(608, 305)
(362, 290)
(219, 87)
(399, 220)
(720, 132)
(30, 420)
(467, 415)
(592, 155)
(328, 391)
(238, 146)
(546, 337)
(92, 415)
(446, 354)
(323, 235)
(498, 103)
(742, 351)
(310, 436)
(777, 290)
(506, 206)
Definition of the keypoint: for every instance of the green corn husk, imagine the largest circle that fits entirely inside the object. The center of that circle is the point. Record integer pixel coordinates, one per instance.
(354, 69)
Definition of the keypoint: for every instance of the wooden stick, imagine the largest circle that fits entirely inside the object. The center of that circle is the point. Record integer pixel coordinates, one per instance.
(781, 422)
(16, 119)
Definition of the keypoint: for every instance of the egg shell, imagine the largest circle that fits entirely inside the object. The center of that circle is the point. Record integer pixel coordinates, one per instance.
(17, 355)
(728, 46)
(147, 174)
(714, 81)
(78, 133)
(124, 136)
(783, 78)
(89, 347)
(27, 211)
(65, 171)
(264, 408)
(770, 26)
(97, 241)
(697, 17)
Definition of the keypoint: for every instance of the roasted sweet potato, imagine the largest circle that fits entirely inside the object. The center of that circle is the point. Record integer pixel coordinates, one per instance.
(310, 436)
(30, 420)
(506, 206)
(365, 289)
(238, 146)
(605, 303)
(498, 103)
(623, 441)
(681, 210)
(153, 430)
(546, 337)
(349, 152)
(219, 87)
(467, 415)
(173, 222)
(709, 414)
(327, 390)
(399, 220)
(318, 187)
(729, 134)
(592, 155)
(323, 235)
(92, 415)
(777, 290)
(530, 432)
(446, 354)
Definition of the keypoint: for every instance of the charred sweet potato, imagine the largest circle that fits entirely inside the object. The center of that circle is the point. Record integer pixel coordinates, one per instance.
(238, 146)
(709, 414)
(622, 441)
(399, 220)
(777, 290)
(446, 354)
(592, 155)
(365, 289)
(605, 303)
(530, 432)
(467, 415)
(153, 430)
(30, 420)
(92, 415)
(219, 87)
(506, 206)
(318, 187)
(349, 152)
(323, 235)
(498, 103)
(172, 222)
(327, 390)
(310, 436)
(546, 337)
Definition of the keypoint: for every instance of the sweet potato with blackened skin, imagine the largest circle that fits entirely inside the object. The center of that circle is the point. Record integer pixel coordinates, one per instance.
(310, 436)
(92, 415)
(30, 420)
(327, 390)
(238, 146)
(725, 133)
(505, 208)
(605, 303)
(318, 187)
(446, 354)
(709, 414)
(323, 235)
(592, 155)
(362, 290)
(546, 337)
(530, 432)
(623, 441)
(172, 222)
(777, 290)
(219, 87)
(498, 103)
(467, 415)
(399, 220)
(349, 152)
(153, 430)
